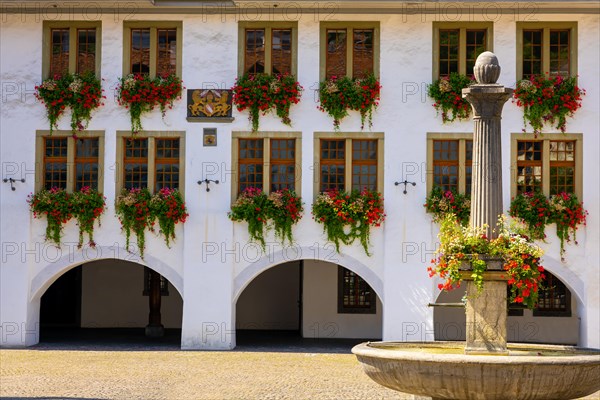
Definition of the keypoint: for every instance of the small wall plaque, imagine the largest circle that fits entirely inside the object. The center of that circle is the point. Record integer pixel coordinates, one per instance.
(210, 137)
(209, 105)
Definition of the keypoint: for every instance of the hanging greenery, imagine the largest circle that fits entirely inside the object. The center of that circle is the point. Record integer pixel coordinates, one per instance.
(442, 202)
(260, 93)
(87, 206)
(447, 94)
(338, 95)
(55, 205)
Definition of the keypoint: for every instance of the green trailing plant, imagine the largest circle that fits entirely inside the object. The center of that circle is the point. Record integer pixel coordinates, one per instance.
(349, 216)
(442, 202)
(80, 92)
(260, 93)
(280, 209)
(548, 100)
(87, 206)
(460, 245)
(169, 209)
(132, 207)
(536, 211)
(55, 205)
(140, 94)
(338, 95)
(138, 210)
(447, 94)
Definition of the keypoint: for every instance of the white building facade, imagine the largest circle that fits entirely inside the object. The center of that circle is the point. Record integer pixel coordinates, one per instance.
(219, 281)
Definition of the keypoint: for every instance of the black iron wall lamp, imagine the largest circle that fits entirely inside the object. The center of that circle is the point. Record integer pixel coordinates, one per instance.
(12, 181)
(405, 182)
(207, 181)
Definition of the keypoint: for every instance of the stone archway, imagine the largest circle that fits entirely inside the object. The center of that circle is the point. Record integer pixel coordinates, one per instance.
(110, 283)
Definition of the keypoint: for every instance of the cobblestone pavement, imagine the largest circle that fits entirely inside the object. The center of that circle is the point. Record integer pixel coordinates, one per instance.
(49, 371)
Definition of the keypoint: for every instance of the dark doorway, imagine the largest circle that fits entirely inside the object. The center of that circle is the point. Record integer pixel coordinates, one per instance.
(61, 304)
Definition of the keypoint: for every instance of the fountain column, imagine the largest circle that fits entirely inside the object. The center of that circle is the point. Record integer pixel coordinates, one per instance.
(486, 317)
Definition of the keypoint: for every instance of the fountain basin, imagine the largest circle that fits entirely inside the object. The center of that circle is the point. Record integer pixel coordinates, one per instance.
(441, 370)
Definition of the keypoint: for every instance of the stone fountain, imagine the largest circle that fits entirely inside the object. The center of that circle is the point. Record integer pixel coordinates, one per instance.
(486, 367)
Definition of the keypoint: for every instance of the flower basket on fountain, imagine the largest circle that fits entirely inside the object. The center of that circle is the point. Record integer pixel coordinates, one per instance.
(349, 216)
(260, 93)
(467, 252)
(281, 209)
(548, 100)
(447, 94)
(80, 92)
(138, 210)
(140, 94)
(442, 202)
(338, 95)
(536, 211)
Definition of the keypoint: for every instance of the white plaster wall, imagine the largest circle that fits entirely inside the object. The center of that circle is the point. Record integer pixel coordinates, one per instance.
(320, 317)
(270, 302)
(449, 324)
(212, 253)
(111, 297)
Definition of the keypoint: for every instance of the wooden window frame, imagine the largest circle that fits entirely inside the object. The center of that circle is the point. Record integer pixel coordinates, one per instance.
(151, 136)
(343, 309)
(538, 312)
(154, 27)
(546, 27)
(349, 137)
(268, 27)
(164, 283)
(546, 139)
(349, 26)
(237, 135)
(40, 135)
(73, 26)
(462, 157)
(463, 27)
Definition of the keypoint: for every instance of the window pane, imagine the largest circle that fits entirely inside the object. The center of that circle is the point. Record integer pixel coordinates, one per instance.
(166, 62)
(167, 164)
(86, 162)
(135, 163)
(562, 166)
(250, 161)
(335, 61)
(254, 56)
(445, 164)
(364, 164)
(554, 295)
(354, 293)
(59, 57)
(448, 49)
(333, 169)
(283, 167)
(560, 52)
(532, 53)
(55, 162)
(281, 51)
(362, 57)
(476, 44)
(86, 50)
(140, 51)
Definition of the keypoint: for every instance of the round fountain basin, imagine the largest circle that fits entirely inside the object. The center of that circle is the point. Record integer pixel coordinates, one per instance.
(441, 370)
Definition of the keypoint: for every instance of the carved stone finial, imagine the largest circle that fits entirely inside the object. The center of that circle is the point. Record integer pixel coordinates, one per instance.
(486, 69)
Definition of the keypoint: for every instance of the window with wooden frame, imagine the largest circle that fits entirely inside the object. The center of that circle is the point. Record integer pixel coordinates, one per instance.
(546, 48)
(554, 298)
(269, 162)
(267, 47)
(71, 47)
(353, 162)
(551, 164)
(456, 46)
(152, 48)
(349, 49)
(449, 159)
(355, 296)
(68, 163)
(151, 159)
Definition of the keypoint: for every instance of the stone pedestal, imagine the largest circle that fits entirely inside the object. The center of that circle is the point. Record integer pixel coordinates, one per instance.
(486, 313)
